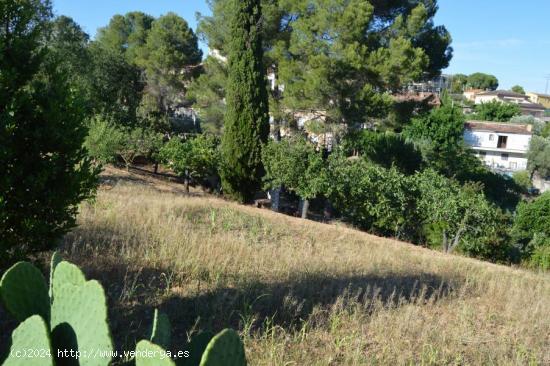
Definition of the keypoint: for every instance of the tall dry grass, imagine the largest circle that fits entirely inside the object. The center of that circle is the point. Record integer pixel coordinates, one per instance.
(300, 292)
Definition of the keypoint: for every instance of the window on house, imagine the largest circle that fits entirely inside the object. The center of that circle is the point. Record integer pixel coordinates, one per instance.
(504, 157)
(502, 142)
(491, 137)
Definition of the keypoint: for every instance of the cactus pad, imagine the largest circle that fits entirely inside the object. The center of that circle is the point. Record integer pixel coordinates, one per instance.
(24, 292)
(56, 259)
(196, 348)
(225, 349)
(31, 335)
(79, 316)
(149, 354)
(161, 333)
(66, 273)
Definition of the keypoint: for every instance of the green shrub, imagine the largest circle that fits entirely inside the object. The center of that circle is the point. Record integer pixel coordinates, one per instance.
(46, 171)
(196, 158)
(456, 216)
(104, 141)
(496, 111)
(376, 199)
(385, 149)
(138, 142)
(540, 257)
(295, 164)
(523, 180)
(532, 218)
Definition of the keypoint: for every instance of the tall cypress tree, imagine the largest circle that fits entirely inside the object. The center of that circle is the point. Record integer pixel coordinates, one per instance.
(246, 124)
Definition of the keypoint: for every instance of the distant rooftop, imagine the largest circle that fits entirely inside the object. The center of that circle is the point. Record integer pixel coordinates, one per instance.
(539, 94)
(504, 93)
(527, 105)
(498, 127)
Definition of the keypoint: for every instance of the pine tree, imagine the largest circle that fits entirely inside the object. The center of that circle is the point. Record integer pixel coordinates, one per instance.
(246, 125)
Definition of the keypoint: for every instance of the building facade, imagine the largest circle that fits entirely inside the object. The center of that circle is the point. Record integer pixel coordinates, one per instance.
(543, 99)
(528, 108)
(501, 146)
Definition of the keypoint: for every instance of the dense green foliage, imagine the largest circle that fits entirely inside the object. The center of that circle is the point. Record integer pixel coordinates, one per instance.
(518, 89)
(478, 80)
(109, 143)
(46, 172)
(385, 149)
(295, 165)
(142, 67)
(482, 81)
(196, 158)
(208, 95)
(246, 124)
(460, 216)
(439, 135)
(523, 179)
(496, 111)
(539, 156)
(168, 58)
(337, 63)
(103, 141)
(68, 324)
(531, 231)
(376, 199)
(425, 208)
(138, 142)
(532, 218)
(458, 83)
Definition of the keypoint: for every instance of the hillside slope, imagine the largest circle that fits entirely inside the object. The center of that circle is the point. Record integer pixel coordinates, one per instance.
(300, 292)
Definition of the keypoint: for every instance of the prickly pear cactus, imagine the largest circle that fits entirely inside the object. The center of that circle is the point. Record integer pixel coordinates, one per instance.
(79, 316)
(149, 354)
(66, 273)
(30, 344)
(161, 333)
(225, 349)
(196, 348)
(56, 259)
(24, 292)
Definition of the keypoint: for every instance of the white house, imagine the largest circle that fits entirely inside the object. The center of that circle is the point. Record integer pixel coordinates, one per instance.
(501, 146)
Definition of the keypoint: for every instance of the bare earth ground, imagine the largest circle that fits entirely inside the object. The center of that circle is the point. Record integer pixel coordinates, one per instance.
(300, 292)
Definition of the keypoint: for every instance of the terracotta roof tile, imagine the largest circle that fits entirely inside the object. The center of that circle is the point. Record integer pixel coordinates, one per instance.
(498, 127)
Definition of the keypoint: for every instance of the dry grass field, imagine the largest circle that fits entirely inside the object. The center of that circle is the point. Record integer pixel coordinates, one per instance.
(300, 292)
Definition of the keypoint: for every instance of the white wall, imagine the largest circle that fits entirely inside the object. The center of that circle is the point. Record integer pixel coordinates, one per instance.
(485, 98)
(514, 162)
(483, 139)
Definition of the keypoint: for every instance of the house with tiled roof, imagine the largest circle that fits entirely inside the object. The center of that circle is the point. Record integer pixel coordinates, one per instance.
(501, 146)
(528, 108)
(539, 98)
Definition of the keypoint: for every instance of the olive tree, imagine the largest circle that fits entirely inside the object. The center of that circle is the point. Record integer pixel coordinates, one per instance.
(295, 164)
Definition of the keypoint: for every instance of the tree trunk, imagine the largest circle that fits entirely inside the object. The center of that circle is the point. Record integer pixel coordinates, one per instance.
(305, 208)
(456, 240)
(186, 181)
(156, 167)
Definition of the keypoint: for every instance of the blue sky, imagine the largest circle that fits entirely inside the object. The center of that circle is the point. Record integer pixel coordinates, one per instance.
(507, 38)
